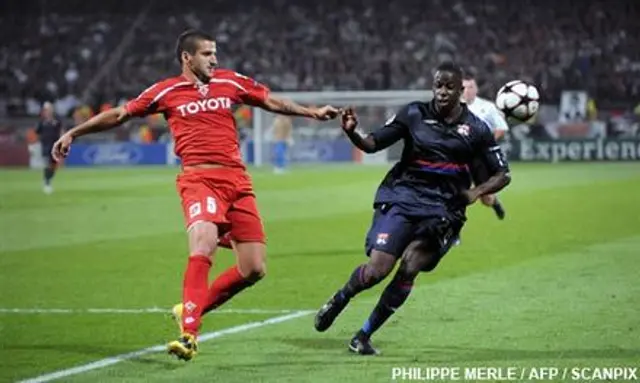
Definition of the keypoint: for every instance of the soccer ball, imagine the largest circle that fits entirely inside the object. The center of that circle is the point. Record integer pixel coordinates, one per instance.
(518, 100)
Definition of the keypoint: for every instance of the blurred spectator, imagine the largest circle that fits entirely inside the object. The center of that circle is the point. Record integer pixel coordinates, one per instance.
(327, 45)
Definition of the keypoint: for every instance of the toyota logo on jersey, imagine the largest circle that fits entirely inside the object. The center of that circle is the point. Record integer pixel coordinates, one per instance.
(208, 105)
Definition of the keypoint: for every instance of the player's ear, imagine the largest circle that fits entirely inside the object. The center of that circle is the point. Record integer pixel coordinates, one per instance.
(185, 55)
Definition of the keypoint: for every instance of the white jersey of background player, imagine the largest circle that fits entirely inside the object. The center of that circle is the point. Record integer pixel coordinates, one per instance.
(490, 114)
(484, 108)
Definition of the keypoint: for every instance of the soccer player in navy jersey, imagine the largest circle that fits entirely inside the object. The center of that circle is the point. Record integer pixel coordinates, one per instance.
(419, 208)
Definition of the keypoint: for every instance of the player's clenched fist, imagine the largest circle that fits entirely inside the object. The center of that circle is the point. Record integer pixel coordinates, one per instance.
(61, 147)
(349, 119)
(327, 112)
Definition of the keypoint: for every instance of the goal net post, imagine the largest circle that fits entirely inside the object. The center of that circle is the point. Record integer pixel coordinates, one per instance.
(313, 141)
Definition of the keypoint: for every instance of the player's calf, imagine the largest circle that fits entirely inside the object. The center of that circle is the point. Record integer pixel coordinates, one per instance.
(203, 238)
(416, 258)
(48, 173)
(363, 277)
(369, 274)
(393, 296)
(250, 269)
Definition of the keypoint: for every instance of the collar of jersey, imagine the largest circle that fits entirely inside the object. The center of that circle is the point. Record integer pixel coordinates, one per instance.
(460, 120)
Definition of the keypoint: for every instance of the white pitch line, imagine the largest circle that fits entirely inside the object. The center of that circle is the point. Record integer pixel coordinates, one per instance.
(150, 310)
(136, 354)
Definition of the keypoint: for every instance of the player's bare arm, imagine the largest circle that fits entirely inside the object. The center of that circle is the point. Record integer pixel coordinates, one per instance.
(290, 108)
(364, 142)
(493, 185)
(104, 121)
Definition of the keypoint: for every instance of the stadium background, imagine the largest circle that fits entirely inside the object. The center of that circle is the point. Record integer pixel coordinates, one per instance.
(554, 284)
(86, 57)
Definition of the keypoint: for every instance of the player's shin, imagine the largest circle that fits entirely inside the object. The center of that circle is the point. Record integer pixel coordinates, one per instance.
(359, 281)
(393, 296)
(369, 274)
(251, 268)
(224, 287)
(48, 174)
(194, 293)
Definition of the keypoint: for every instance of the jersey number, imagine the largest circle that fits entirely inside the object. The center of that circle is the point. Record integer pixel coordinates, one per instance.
(500, 158)
(211, 205)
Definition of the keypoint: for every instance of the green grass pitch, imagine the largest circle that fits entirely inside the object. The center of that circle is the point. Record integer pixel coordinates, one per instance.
(555, 284)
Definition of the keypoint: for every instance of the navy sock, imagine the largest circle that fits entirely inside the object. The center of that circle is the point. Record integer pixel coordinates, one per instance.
(48, 175)
(394, 295)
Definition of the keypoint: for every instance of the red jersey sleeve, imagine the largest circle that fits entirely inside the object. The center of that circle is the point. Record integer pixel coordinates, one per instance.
(148, 102)
(252, 92)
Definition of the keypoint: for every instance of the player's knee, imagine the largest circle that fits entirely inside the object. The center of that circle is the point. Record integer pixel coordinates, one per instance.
(418, 258)
(256, 272)
(409, 266)
(431, 262)
(380, 265)
(203, 238)
(373, 274)
(251, 260)
(377, 274)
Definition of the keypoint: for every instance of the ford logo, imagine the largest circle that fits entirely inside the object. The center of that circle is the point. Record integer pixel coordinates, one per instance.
(112, 154)
(312, 151)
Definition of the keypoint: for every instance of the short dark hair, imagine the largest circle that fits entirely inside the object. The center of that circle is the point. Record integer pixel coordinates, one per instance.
(449, 66)
(188, 40)
(468, 76)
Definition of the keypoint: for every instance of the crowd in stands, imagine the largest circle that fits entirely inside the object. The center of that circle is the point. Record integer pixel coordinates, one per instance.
(52, 49)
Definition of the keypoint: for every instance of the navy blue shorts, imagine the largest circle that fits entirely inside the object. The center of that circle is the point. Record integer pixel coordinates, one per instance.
(46, 154)
(394, 227)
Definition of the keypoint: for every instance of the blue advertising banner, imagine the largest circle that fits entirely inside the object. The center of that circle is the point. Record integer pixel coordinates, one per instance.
(129, 153)
(308, 151)
(117, 154)
(322, 151)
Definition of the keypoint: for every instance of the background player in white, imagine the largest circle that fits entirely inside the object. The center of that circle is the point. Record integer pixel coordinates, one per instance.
(488, 112)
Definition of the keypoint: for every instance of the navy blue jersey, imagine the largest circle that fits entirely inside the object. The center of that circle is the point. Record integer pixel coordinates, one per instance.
(49, 131)
(435, 163)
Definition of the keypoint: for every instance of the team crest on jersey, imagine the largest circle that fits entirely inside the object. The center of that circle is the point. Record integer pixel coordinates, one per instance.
(463, 130)
(190, 306)
(382, 239)
(203, 90)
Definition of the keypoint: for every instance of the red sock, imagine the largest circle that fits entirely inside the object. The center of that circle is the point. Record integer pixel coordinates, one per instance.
(223, 288)
(194, 291)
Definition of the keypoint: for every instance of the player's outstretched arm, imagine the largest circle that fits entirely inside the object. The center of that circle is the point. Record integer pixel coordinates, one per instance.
(349, 124)
(291, 108)
(103, 121)
(393, 131)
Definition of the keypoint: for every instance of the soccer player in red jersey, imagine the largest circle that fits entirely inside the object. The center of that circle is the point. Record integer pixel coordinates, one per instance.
(217, 196)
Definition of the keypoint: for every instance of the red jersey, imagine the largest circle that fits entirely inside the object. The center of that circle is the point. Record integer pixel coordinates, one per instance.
(201, 116)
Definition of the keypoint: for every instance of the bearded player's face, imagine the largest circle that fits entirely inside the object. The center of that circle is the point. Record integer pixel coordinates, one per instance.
(204, 60)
